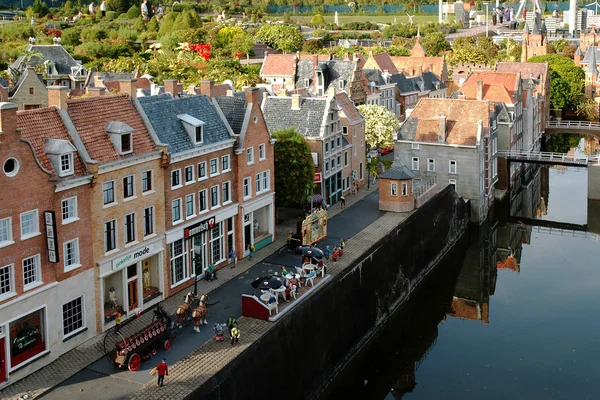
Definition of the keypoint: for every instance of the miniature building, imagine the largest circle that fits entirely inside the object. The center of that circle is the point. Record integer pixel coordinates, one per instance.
(395, 189)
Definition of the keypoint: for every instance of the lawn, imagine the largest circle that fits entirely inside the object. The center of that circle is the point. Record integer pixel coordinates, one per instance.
(385, 19)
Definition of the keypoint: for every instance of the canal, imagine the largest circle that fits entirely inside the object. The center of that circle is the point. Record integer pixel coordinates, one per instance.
(512, 313)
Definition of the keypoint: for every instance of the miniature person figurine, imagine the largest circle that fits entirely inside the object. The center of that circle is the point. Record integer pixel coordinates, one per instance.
(146, 279)
(235, 335)
(91, 8)
(327, 252)
(144, 10)
(233, 258)
(103, 8)
(112, 297)
(162, 370)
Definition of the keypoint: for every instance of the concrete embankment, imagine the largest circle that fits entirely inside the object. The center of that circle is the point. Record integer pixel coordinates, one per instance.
(297, 356)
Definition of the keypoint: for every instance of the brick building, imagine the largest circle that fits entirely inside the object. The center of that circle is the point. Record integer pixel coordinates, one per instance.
(47, 294)
(353, 132)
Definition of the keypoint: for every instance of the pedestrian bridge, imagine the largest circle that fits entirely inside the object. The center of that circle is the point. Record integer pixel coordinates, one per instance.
(565, 126)
(541, 157)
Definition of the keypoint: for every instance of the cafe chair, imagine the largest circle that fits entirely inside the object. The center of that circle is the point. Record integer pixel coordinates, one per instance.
(311, 278)
(273, 305)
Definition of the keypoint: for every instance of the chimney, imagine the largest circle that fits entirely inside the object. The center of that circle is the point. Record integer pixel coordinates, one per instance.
(57, 96)
(296, 101)
(229, 93)
(265, 95)
(315, 61)
(8, 118)
(98, 81)
(346, 56)
(96, 91)
(282, 92)
(430, 67)
(153, 89)
(479, 90)
(442, 131)
(191, 89)
(128, 86)
(251, 95)
(206, 87)
(171, 87)
(419, 70)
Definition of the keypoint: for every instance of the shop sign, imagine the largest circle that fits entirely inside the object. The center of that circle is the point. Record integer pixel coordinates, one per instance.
(198, 228)
(51, 241)
(318, 177)
(135, 256)
(26, 338)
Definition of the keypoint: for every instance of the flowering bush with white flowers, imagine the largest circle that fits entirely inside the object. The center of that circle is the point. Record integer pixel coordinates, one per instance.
(380, 125)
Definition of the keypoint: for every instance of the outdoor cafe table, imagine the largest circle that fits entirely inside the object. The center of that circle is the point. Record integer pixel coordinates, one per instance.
(265, 297)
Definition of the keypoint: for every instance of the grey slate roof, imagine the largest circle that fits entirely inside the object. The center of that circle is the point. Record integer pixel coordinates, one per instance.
(307, 120)
(162, 111)
(333, 71)
(3, 82)
(398, 171)
(374, 75)
(429, 80)
(408, 129)
(115, 76)
(234, 109)
(578, 52)
(56, 53)
(402, 83)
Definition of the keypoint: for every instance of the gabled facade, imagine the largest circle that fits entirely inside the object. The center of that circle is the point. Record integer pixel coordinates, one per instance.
(47, 293)
(353, 131)
(381, 83)
(454, 142)
(418, 62)
(30, 91)
(535, 40)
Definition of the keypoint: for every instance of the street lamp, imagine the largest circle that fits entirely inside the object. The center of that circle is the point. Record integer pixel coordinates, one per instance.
(487, 25)
(197, 259)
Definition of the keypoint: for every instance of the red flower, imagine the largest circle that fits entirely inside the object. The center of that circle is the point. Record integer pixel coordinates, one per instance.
(238, 54)
(203, 50)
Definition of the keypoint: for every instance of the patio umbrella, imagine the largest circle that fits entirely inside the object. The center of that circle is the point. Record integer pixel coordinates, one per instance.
(267, 282)
(310, 251)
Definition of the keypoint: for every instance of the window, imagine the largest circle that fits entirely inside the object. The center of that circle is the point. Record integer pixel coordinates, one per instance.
(404, 189)
(430, 165)
(452, 183)
(415, 146)
(226, 190)
(31, 91)
(332, 145)
(250, 153)
(214, 196)
(202, 201)
(361, 171)
(189, 174)
(71, 254)
(128, 187)
(216, 243)
(247, 188)
(5, 232)
(69, 210)
(146, 181)
(327, 166)
(32, 274)
(339, 142)
(202, 170)
(148, 221)
(66, 164)
(394, 188)
(452, 167)
(110, 236)
(225, 163)
(126, 145)
(266, 180)
(73, 317)
(339, 160)
(345, 159)
(415, 163)
(130, 228)
(198, 135)
(262, 155)
(29, 224)
(354, 132)
(214, 166)
(189, 206)
(176, 210)
(179, 271)
(6, 281)
(327, 147)
(108, 192)
(344, 130)
(175, 179)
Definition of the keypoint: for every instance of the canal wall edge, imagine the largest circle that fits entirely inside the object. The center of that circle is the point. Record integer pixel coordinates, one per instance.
(306, 348)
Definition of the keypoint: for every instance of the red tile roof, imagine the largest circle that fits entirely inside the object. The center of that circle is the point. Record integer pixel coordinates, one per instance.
(42, 123)
(278, 64)
(348, 107)
(382, 62)
(90, 116)
(410, 64)
(527, 69)
(497, 86)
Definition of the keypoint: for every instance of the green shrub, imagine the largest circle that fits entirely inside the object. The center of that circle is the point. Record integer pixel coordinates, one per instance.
(133, 12)
(140, 26)
(127, 34)
(123, 16)
(170, 41)
(93, 33)
(196, 35)
(168, 23)
(16, 31)
(153, 25)
(111, 15)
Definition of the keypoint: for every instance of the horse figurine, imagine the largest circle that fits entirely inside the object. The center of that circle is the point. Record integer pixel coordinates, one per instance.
(184, 309)
(199, 313)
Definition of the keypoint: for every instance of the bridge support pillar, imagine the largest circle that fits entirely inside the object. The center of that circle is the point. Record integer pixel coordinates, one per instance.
(594, 182)
(593, 216)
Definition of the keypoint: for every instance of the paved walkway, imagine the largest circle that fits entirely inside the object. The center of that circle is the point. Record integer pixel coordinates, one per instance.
(87, 363)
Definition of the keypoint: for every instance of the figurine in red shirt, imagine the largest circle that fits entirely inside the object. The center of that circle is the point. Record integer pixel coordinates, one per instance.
(162, 369)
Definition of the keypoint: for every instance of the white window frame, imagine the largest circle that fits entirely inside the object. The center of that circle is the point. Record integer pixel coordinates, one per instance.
(115, 237)
(150, 179)
(36, 224)
(185, 171)
(262, 154)
(145, 215)
(172, 259)
(134, 239)
(450, 167)
(199, 130)
(250, 155)
(216, 164)
(205, 176)
(66, 171)
(180, 219)
(202, 210)
(179, 184)
(75, 215)
(226, 190)
(266, 180)
(431, 165)
(132, 196)
(9, 237)
(37, 271)
(452, 182)
(394, 189)
(124, 135)
(212, 197)
(404, 188)
(187, 197)
(77, 263)
(412, 165)
(11, 282)
(225, 159)
(114, 193)
(83, 325)
(247, 188)
(346, 158)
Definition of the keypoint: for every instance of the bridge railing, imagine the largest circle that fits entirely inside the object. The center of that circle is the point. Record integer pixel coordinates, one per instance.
(580, 159)
(566, 232)
(583, 125)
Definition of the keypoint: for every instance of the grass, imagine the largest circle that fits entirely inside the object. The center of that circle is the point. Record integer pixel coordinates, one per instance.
(385, 19)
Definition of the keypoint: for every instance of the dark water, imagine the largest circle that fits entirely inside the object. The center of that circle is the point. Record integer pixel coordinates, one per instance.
(512, 314)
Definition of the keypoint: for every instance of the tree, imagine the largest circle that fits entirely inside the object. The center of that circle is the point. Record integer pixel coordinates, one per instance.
(380, 125)
(509, 51)
(242, 44)
(40, 8)
(294, 168)
(434, 43)
(467, 50)
(564, 72)
(317, 20)
(560, 91)
(588, 108)
(280, 37)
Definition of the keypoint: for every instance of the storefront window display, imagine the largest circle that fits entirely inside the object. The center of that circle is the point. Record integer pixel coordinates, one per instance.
(27, 337)
(113, 288)
(261, 223)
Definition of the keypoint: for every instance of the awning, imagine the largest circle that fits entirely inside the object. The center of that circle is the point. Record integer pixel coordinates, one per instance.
(317, 198)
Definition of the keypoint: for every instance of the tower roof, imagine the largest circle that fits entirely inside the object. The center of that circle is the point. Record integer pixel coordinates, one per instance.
(526, 28)
(578, 52)
(544, 29)
(592, 68)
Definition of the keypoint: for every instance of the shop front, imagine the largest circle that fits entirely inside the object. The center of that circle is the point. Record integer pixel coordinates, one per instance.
(258, 222)
(23, 340)
(131, 281)
(334, 188)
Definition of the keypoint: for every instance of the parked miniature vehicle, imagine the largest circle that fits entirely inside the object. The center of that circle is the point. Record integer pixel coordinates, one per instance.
(385, 150)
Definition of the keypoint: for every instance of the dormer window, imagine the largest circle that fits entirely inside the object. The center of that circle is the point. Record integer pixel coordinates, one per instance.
(341, 84)
(194, 127)
(49, 67)
(306, 83)
(60, 154)
(121, 136)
